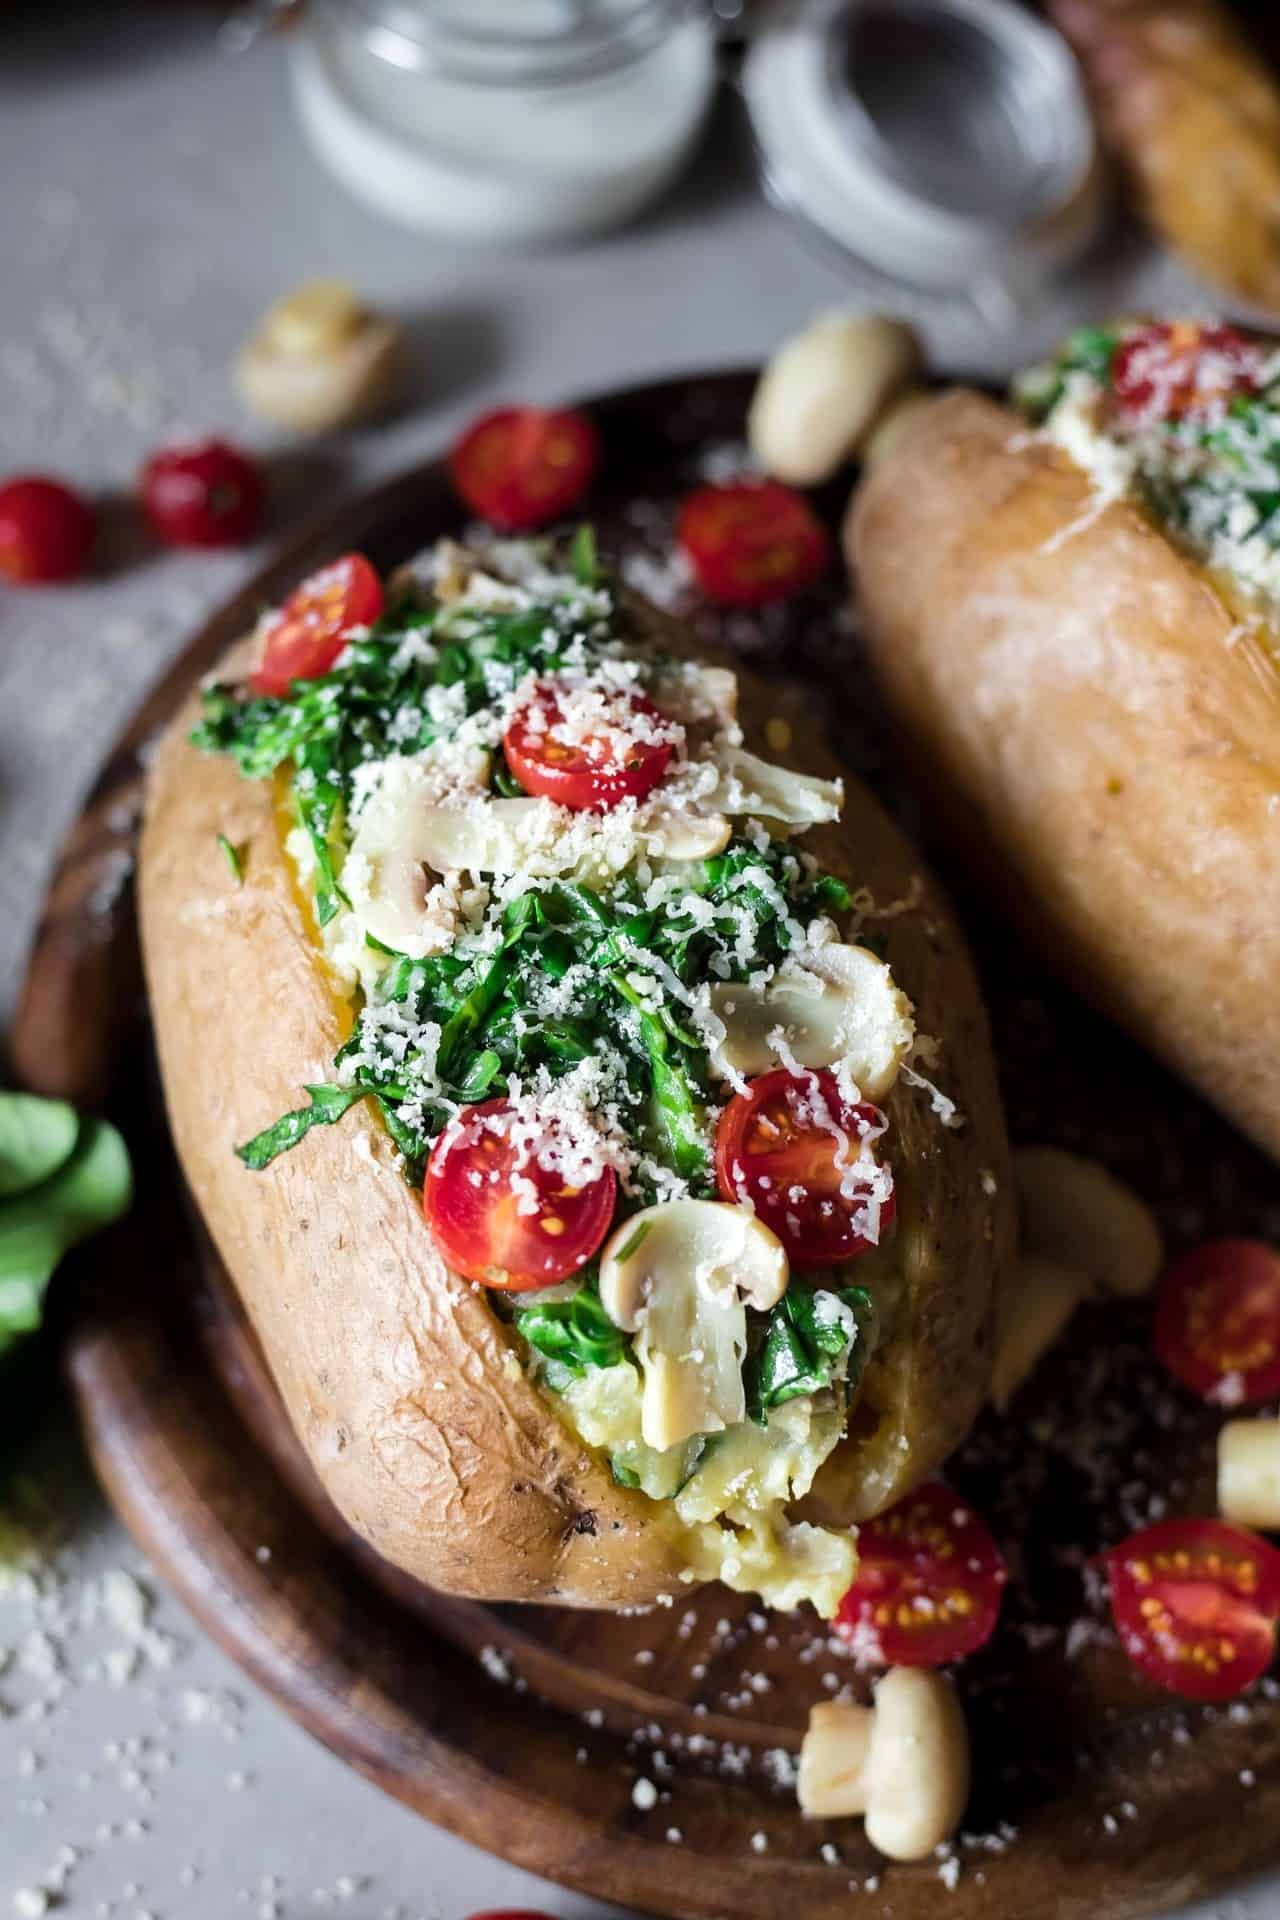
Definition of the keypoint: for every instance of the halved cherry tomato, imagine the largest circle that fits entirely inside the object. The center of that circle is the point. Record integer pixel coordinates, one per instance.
(1195, 1604)
(480, 1180)
(785, 1146)
(930, 1581)
(1178, 370)
(601, 769)
(1217, 1325)
(305, 637)
(752, 541)
(46, 530)
(522, 467)
(204, 494)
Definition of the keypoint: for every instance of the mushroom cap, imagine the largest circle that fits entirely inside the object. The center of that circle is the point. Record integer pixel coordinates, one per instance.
(839, 1004)
(917, 1769)
(706, 1243)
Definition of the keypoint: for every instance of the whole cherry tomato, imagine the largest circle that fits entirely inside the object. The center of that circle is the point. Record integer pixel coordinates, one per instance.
(205, 493)
(46, 530)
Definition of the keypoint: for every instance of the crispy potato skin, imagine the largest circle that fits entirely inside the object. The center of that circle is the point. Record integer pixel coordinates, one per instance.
(403, 1386)
(1195, 115)
(1100, 736)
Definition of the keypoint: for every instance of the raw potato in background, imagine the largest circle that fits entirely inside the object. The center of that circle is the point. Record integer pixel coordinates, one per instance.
(405, 1388)
(1095, 732)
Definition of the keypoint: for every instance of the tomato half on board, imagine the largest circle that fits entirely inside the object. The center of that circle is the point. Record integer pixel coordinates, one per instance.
(1195, 1604)
(623, 760)
(305, 637)
(1217, 1325)
(499, 1216)
(1180, 370)
(752, 541)
(930, 1581)
(523, 467)
(787, 1145)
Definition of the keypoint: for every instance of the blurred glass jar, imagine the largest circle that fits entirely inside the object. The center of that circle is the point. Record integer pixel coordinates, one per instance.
(504, 120)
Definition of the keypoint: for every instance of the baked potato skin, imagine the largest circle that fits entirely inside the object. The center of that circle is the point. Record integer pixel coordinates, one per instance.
(404, 1388)
(1195, 116)
(1100, 734)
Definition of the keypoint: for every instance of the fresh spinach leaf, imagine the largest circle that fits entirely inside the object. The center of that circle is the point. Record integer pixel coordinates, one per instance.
(575, 1333)
(327, 1105)
(806, 1346)
(233, 859)
(36, 1137)
(91, 1189)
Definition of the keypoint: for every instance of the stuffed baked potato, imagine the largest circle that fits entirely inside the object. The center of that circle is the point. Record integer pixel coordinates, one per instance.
(1072, 608)
(504, 890)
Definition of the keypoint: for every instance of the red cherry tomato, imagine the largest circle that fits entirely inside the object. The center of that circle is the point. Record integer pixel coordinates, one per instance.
(785, 1145)
(752, 542)
(930, 1581)
(1195, 1604)
(1178, 370)
(481, 1177)
(204, 494)
(46, 530)
(305, 637)
(522, 467)
(1218, 1321)
(622, 757)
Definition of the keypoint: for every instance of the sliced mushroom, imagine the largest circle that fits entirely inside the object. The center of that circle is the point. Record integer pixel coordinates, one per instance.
(1076, 1213)
(893, 423)
(1249, 1472)
(320, 359)
(903, 1762)
(841, 1005)
(831, 1781)
(680, 1276)
(750, 785)
(385, 872)
(1040, 1297)
(822, 393)
(695, 695)
(680, 835)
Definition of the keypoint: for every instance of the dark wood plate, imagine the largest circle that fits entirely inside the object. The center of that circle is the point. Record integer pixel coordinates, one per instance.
(526, 1730)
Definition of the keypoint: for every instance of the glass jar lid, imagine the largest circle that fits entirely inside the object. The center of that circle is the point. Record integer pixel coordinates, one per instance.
(497, 42)
(936, 140)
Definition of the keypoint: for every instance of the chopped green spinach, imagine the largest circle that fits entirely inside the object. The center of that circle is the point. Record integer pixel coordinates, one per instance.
(806, 1346)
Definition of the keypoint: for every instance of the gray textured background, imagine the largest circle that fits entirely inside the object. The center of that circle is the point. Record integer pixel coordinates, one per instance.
(155, 196)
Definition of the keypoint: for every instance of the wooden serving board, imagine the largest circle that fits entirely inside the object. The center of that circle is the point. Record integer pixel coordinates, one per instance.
(526, 1730)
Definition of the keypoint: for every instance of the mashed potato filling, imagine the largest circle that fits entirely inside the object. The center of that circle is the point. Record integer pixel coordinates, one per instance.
(729, 1492)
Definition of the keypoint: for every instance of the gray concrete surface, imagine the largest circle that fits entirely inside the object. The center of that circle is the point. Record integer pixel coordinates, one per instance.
(155, 197)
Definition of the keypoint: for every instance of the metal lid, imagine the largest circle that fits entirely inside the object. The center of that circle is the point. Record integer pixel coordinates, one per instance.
(934, 139)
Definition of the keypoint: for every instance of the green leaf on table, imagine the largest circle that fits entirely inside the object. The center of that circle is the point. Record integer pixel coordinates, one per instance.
(91, 1189)
(36, 1136)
